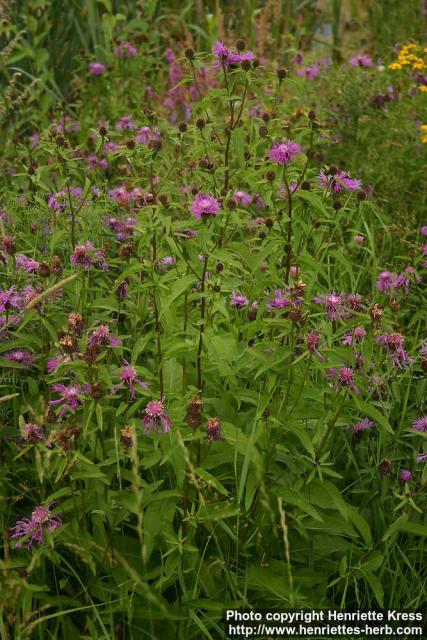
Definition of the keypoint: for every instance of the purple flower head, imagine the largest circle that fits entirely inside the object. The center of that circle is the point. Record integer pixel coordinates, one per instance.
(424, 231)
(422, 457)
(102, 337)
(361, 60)
(363, 425)
(388, 281)
(238, 300)
(129, 379)
(205, 205)
(97, 68)
(243, 198)
(220, 51)
(53, 203)
(156, 416)
(35, 140)
(284, 152)
(313, 341)
(32, 530)
(125, 50)
(334, 305)
(31, 433)
(81, 255)
(405, 475)
(213, 429)
(342, 377)
(420, 425)
(20, 356)
(393, 343)
(279, 301)
(8, 298)
(71, 396)
(26, 264)
(355, 336)
(169, 55)
(359, 239)
(339, 182)
(53, 363)
(354, 302)
(310, 72)
(125, 123)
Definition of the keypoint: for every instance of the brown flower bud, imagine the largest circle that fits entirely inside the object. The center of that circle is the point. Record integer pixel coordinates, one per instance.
(127, 435)
(9, 245)
(96, 391)
(44, 270)
(213, 429)
(56, 265)
(76, 324)
(126, 250)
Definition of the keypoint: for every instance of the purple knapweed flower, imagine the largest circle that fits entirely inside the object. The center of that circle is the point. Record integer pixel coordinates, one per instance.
(422, 457)
(125, 50)
(359, 239)
(393, 343)
(220, 51)
(129, 379)
(213, 429)
(405, 475)
(97, 68)
(125, 123)
(361, 60)
(53, 203)
(26, 264)
(279, 301)
(156, 416)
(20, 356)
(334, 304)
(284, 152)
(102, 337)
(424, 231)
(310, 72)
(420, 424)
(354, 302)
(31, 433)
(238, 300)
(205, 205)
(32, 530)
(53, 363)
(339, 182)
(342, 377)
(363, 425)
(354, 336)
(313, 340)
(243, 198)
(81, 255)
(71, 396)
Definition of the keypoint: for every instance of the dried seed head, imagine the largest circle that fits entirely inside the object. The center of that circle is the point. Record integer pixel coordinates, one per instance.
(44, 270)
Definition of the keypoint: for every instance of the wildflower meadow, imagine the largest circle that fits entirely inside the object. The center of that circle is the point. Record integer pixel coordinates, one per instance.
(213, 345)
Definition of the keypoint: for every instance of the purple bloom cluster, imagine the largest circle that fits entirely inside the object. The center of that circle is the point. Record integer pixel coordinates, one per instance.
(339, 182)
(31, 531)
(284, 152)
(228, 57)
(393, 343)
(156, 416)
(205, 205)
